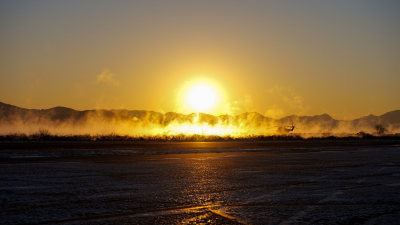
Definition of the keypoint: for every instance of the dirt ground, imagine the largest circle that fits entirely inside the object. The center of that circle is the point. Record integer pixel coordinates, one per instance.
(294, 182)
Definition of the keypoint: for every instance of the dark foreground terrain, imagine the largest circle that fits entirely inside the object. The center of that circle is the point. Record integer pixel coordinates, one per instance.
(287, 182)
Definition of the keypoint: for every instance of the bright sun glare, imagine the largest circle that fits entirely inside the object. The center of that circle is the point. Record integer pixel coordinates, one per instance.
(201, 97)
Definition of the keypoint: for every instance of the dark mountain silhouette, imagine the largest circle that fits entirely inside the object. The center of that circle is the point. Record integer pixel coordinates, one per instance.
(57, 119)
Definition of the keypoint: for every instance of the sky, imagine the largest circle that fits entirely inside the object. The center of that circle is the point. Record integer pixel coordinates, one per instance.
(277, 58)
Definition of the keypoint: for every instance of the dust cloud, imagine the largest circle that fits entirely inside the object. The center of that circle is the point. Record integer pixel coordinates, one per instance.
(138, 123)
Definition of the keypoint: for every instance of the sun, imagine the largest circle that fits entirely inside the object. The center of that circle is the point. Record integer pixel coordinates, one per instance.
(201, 97)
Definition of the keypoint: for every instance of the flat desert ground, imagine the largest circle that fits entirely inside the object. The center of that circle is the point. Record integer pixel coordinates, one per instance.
(271, 182)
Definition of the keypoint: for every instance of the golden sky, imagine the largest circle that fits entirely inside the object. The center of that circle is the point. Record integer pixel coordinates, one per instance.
(274, 57)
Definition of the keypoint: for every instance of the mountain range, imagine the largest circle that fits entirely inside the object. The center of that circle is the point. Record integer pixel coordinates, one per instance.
(62, 120)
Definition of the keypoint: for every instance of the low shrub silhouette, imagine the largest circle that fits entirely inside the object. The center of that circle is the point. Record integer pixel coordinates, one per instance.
(44, 135)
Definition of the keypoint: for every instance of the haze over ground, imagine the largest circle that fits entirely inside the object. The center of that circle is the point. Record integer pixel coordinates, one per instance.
(141, 123)
(273, 57)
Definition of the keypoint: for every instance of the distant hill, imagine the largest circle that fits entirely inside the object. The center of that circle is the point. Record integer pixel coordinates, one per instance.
(64, 120)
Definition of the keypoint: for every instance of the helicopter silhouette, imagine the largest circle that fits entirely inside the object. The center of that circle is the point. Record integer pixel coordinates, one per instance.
(286, 129)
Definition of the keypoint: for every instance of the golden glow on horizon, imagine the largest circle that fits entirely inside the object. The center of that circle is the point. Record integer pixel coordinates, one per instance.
(202, 129)
(220, 128)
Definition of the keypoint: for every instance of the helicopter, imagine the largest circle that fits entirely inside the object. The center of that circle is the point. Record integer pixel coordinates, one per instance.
(286, 129)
